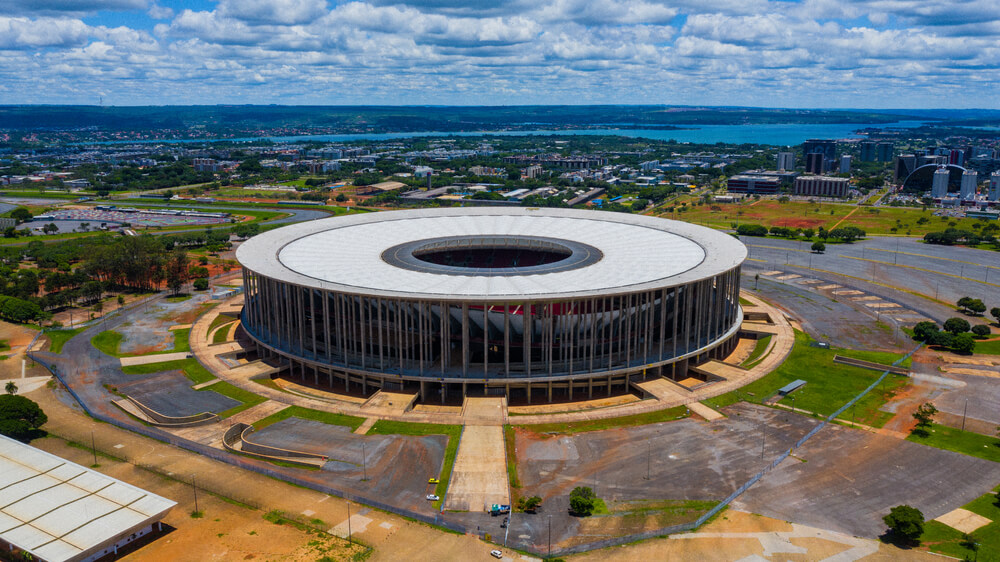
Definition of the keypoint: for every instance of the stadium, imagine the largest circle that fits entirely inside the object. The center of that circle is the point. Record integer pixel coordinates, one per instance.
(528, 303)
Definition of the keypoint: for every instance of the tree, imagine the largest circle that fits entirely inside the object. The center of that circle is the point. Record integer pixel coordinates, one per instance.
(964, 302)
(925, 415)
(942, 339)
(956, 325)
(50, 228)
(924, 331)
(177, 271)
(20, 417)
(995, 312)
(818, 247)
(808, 233)
(10, 388)
(582, 500)
(20, 214)
(529, 505)
(963, 343)
(200, 284)
(977, 307)
(905, 522)
(981, 330)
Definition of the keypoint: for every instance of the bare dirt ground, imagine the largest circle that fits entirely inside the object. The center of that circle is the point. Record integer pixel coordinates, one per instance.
(17, 337)
(227, 531)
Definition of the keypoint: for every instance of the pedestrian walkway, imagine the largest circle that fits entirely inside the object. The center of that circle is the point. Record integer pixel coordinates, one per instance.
(154, 358)
(479, 478)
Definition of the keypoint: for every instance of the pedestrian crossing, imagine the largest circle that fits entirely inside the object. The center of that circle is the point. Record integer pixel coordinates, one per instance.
(884, 308)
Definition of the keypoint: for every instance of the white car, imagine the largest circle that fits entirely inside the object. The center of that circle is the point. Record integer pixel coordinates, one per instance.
(432, 497)
(496, 554)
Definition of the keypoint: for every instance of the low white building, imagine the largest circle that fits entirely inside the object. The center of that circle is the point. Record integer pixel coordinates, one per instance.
(60, 511)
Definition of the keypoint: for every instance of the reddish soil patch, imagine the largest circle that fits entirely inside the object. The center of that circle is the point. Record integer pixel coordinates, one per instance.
(147, 349)
(799, 223)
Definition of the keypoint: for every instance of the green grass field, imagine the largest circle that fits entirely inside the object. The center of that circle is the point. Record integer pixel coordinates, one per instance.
(943, 539)
(668, 414)
(191, 368)
(454, 432)
(829, 385)
(330, 418)
(107, 342)
(222, 333)
(965, 442)
(58, 338)
(991, 347)
(509, 442)
(799, 214)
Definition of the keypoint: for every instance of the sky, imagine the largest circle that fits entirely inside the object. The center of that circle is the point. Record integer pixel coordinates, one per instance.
(762, 53)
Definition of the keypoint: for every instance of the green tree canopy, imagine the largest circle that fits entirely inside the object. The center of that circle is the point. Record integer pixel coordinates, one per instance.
(20, 417)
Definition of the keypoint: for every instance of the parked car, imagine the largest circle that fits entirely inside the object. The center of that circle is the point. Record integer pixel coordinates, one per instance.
(496, 554)
(432, 497)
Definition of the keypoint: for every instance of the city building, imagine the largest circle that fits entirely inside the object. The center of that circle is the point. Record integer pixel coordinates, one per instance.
(969, 184)
(956, 157)
(206, 165)
(821, 186)
(884, 151)
(845, 164)
(815, 163)
(532, 172)
(994, 187)
(753, 184)
(939, 183)
(786, 161)
(55, 510)
(826, 147)
(525, 303)
(868, 151)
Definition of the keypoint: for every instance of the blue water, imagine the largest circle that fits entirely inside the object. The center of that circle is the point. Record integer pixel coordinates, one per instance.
(785, 134)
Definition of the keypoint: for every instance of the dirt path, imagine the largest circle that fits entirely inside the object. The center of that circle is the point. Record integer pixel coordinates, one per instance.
(847, 216)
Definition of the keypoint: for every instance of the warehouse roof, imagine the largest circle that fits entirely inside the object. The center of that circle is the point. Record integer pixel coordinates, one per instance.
(59, 510)
(357, 253)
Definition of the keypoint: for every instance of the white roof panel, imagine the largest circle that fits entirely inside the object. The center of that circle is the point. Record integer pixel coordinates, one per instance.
(345, 253)
(58, 510)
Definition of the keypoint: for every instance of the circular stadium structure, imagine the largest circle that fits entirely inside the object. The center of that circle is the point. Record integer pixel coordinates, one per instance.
(498, 301)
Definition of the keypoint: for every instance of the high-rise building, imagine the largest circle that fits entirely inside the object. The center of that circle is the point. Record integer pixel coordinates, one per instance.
(956, 157)
(868, 151)
(969, 184)
(884, 151)
(786, 161)
(827, 148)
(995, 186)
(905, 164)
(845, 164)
(821, 186)
(939, 185)
(815, 163)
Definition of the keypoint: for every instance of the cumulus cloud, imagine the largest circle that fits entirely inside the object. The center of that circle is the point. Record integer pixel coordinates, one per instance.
(753, 52)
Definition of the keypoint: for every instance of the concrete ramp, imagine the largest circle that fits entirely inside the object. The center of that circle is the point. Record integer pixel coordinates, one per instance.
(393, 403)
(718, 369)
(661, 389)
(479, 477)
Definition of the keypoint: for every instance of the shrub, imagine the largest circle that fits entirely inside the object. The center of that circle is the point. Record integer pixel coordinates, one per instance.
(581, 500)
(981, 330)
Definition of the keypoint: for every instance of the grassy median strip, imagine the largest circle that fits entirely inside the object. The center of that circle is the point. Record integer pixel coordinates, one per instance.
(668, 414)
(757, 355)
(965, 442)
(222, 334)
(829, 385)
(58, 338)
(191, 368)
(330, 418)
(510, 442)
(454, 432)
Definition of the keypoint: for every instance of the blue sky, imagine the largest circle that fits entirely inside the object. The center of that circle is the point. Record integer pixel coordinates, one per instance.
(813, 53)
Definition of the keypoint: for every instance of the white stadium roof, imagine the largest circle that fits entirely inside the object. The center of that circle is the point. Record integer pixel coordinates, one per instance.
(346, 253)
(59, 510)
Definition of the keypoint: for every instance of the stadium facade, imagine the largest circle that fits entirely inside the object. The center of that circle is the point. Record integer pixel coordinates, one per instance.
(529, 303)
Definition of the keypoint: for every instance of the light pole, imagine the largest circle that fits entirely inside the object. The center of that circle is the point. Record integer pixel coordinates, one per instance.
(550, 537)
(964, 412)
(763, 439)
(364, 466)
(349, 523)
(195, 488)
(93, 447)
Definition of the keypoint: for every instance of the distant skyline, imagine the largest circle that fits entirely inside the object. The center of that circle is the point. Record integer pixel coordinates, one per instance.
(763, 53)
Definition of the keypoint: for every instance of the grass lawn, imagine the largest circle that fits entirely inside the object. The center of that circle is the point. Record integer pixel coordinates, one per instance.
(352, 422)
(965, 442)
(191, 367)
(181, 341)
(509, 443)
(178, 298)
(991, 347)
(108, 342)
(222, 333)
(669, 414)
(830, 385)
(757, 355)
(220, 319)
(248, 399)
(454, 432)
(744, 302)
(58, 338)
(943, 539)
